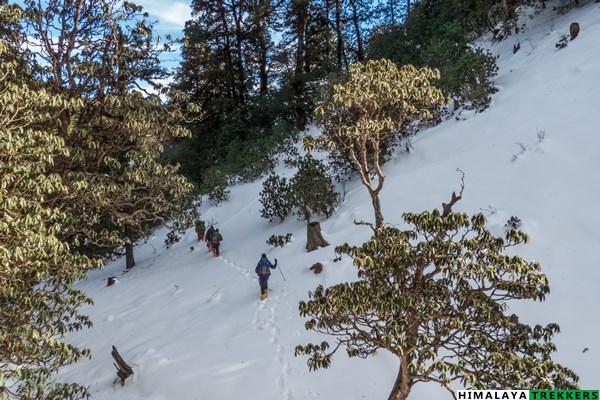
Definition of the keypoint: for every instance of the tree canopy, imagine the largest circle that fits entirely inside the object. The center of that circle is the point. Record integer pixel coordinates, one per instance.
(81, 169)
(377, 103)
(437, 296)
(38, 304)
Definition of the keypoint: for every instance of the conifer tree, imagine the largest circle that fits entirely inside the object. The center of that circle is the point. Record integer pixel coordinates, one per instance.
(310, 193)
(312, 190)
(38, 304)
(314, 196)
(378, 102)
(436, 296)
(276, 198)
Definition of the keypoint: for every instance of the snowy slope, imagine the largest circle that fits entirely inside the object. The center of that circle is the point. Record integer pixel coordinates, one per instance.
(192, 327)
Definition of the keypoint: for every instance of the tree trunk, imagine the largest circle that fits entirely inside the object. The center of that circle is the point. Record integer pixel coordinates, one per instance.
(314, 239)
(338, 32)
(264, 77)
(360, 55)
(232, 84)
(298, 82)
(264, 16)
(129, 260)
(377, 209)
(237, 16)
(402, 385)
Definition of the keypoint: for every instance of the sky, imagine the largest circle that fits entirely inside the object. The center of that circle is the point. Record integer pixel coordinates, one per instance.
(171, 18)
(192, 326)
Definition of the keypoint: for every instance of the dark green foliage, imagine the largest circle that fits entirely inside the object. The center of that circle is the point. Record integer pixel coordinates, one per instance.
(310, 193)
(435, 295)
(215, 183)
(240, 151)
(437, 34)
(470, 78)
(171, 239)
(562, 43)
(249, 160)
(513, 223)
(226, 52)
(276, 198)
(244, 160)
(313, 190)
(279, 240)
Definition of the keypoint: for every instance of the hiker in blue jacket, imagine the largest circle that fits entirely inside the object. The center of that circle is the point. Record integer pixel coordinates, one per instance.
(263, 269)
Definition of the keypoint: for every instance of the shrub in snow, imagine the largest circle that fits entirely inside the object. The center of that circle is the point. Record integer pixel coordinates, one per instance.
(541, 134)
(279, 240)
(276, 198)
(563, 42)
(513, 223)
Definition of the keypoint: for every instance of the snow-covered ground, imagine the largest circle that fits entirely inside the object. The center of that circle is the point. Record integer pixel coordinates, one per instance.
(192, 326)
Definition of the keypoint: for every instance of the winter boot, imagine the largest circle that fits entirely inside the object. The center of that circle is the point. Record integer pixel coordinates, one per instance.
(264, 294)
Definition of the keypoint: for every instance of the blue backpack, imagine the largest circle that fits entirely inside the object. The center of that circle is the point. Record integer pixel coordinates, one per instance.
(264, 267)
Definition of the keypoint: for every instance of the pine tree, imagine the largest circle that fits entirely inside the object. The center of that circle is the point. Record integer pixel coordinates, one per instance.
(276, 198)
(310, 193)
(38, 304)
(312, 190)
(313, 196)
(226, 58)
(377, 103)
(435, 296)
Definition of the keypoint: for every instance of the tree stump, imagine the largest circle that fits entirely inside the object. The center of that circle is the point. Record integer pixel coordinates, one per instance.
(314, 238)
(574, 30)
(317, 268)
(111, 280)
(124, 371)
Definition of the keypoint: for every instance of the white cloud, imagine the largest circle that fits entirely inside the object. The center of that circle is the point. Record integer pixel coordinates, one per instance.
(174, 14)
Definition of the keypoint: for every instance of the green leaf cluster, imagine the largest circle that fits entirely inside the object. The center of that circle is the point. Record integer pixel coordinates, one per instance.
(437, 296)
(120, 188)
(38, 303)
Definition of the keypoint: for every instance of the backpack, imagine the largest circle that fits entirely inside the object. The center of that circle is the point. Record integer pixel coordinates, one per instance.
(264, 268)
(214, 238)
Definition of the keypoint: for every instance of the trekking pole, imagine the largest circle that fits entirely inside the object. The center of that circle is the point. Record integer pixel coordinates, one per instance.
(281, 271)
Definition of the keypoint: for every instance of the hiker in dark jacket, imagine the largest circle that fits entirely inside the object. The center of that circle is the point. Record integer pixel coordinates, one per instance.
(209, 233)
(263, 269)
(200, 227)
(215, 241)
